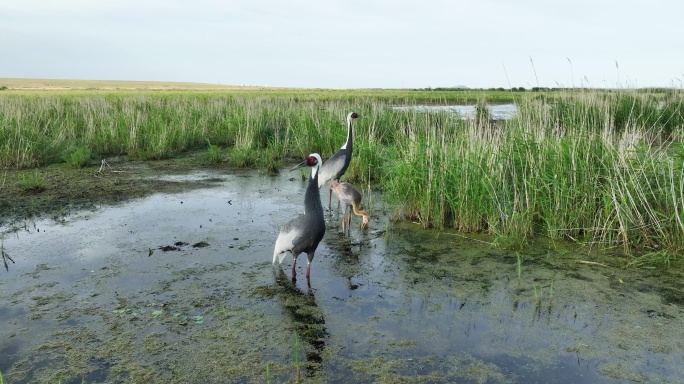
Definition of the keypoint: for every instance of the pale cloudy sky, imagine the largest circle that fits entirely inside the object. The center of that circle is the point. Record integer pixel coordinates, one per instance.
(348, 44)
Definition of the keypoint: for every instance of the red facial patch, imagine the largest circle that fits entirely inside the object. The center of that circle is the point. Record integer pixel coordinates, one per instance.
(311, 161)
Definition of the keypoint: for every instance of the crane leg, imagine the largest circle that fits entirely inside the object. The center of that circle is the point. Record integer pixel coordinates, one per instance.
(345, 224)
(309, 259)
(330, 200)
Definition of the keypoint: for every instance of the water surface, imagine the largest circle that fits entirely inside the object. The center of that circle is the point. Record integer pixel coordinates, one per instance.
(93, 297)
(498, 111)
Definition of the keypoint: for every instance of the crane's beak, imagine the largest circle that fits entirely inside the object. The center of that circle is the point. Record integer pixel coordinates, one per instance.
(300, 165)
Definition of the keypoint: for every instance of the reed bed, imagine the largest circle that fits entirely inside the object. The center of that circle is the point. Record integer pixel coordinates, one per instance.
(602, 168)
(44, 128)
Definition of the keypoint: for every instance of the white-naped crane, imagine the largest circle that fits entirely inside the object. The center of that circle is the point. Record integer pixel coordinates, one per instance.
(351, 199)
(338, 163)
(304, 232)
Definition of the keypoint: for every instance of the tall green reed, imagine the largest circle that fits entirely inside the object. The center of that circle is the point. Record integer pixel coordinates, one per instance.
(38, 129)
(603, 168)
(563, 169)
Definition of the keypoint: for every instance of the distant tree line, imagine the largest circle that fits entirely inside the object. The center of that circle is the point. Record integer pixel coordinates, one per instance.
(502, 89)
(543, 89)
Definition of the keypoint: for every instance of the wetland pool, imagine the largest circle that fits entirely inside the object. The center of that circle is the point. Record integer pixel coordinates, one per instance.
(179, 288)
(497, 111)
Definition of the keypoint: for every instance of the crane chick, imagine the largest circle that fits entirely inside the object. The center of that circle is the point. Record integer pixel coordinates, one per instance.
(350, 197)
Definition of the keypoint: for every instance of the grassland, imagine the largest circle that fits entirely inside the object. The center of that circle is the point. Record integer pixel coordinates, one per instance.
(431, 96)
(604, 169)
(66, 84)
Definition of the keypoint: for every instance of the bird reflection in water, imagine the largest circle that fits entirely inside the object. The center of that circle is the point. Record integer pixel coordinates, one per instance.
(307, 317)
(348, 254)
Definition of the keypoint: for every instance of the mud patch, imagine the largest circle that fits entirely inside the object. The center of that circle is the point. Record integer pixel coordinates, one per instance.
(177, 246)
(68, 189)
(672, 295)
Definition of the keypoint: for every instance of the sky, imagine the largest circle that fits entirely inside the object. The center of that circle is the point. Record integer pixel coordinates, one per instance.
(348, 44)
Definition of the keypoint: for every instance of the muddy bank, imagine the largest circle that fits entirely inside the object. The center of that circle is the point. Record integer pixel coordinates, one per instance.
(180, 288)
(60, 189)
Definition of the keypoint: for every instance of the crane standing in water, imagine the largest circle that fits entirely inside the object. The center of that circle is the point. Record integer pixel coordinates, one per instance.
(304, 232)
(338, 163)
(351, 198)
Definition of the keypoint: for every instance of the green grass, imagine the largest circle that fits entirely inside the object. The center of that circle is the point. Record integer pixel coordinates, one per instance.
(538, 296)
(214, 153)
(602, 168)
(295, 351)
(32, 182)
(40, 128)
(77, 157)
(222, 313)
(573, 168)
(296, 360)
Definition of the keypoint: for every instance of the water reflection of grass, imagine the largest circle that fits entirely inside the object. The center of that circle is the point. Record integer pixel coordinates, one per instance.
(539, 294)
(600, 168)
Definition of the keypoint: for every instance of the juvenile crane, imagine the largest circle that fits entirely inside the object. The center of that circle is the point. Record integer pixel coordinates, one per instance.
(350, 197)
(304, 232)
(338, 163)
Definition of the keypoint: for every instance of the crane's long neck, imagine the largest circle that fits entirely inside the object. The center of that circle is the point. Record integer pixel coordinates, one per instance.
(356, 207)
(348, 143)
(312, 196)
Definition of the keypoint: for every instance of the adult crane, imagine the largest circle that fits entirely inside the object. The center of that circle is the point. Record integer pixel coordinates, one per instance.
(304, 232)
(338, 163)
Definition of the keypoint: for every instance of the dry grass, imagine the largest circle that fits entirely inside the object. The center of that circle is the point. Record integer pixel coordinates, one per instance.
(71, 84)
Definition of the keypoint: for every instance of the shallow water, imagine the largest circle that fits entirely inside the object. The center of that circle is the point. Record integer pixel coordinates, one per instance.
(498, 111)
(94, 298)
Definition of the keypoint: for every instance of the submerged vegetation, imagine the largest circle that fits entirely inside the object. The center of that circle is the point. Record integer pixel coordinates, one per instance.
(602, 168)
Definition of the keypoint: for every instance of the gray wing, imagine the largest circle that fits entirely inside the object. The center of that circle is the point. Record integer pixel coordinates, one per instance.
(301, 234)
(289, 236)
(333, 168)
(294, 228)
